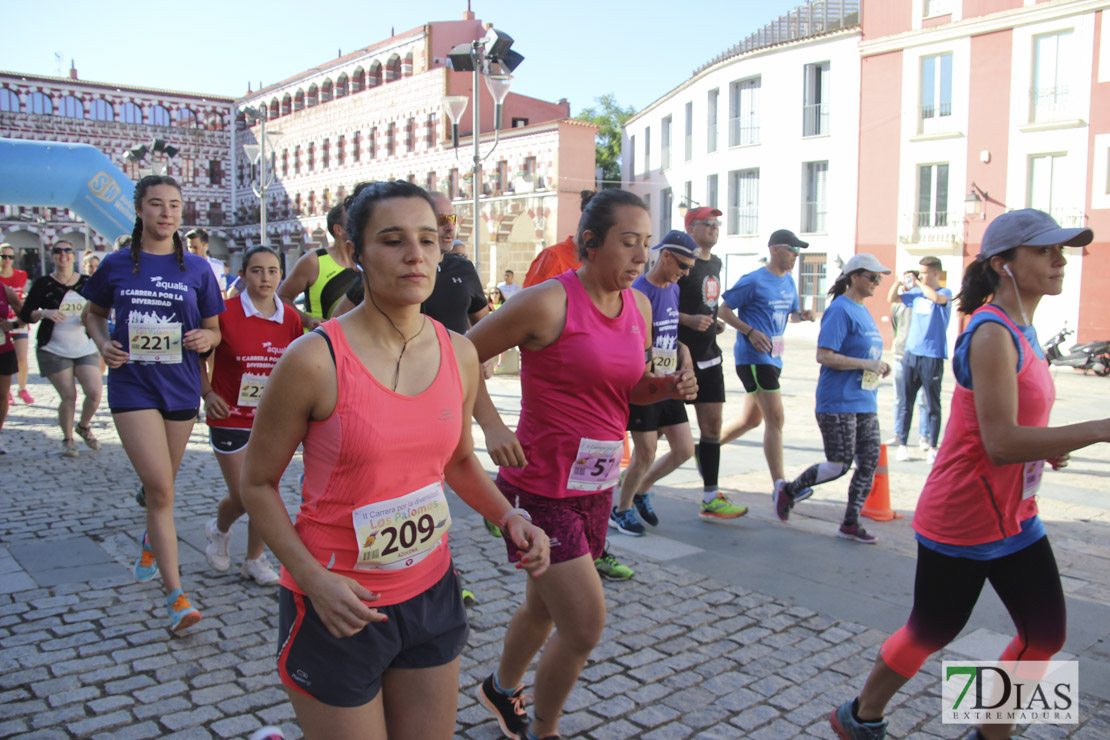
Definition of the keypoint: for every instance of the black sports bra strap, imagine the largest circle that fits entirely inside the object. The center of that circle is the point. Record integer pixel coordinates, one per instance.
(331, 350)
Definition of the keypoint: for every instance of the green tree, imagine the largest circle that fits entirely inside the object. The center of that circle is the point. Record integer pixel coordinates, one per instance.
(610, 116)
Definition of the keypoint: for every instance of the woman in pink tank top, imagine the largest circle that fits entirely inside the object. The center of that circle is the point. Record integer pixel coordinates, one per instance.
(976, 520)
(583, 338)
(371, 620)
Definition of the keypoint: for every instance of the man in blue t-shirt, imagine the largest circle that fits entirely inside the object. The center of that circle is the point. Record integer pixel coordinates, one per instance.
(675, 255)
(765, 301)
(926, 351)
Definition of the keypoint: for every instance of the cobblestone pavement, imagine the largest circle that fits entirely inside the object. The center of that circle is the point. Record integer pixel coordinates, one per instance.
(687, 652)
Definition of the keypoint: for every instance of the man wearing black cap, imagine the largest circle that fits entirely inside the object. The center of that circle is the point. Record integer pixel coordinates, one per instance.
(764, 301)
(674, 258)
(699, 293)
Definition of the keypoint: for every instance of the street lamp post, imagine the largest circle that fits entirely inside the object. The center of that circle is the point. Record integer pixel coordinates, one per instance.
(256, 154)
(491, 57)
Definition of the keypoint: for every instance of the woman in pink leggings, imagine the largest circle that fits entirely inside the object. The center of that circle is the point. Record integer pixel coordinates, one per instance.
(976, 519)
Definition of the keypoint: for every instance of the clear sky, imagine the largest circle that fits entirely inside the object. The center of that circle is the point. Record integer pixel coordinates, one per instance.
(586, 48)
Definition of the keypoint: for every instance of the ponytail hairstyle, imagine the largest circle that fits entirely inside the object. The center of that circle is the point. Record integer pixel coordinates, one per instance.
(141, 187)
(981, 282)
(598, 215)
(840, 285)
(367, 196)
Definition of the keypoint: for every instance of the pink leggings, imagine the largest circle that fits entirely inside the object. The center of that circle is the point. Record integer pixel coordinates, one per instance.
(946, 590)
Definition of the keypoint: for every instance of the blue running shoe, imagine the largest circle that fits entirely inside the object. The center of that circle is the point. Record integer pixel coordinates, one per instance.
(182, 613)
(803, 494)
(146, 567)
(642, 502)
(848, 727)
(626, 522)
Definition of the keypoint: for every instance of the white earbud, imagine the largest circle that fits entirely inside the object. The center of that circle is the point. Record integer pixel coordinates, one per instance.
(1007, 269)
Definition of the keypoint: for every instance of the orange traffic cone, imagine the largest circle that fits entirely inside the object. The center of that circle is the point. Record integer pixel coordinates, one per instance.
(627, 456)
(877, 505)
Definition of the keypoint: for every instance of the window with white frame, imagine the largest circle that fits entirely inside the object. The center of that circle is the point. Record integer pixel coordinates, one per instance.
(743, 202)
(647, 151)
(936, 86)
(930, 8)
(932, 196)
(687, 195)
(711, 191)
(666, 205)
(665, 145)
(631, 158)
(815, 110)
(711, 120)
(743, 117)
(1049, 189)
(814, 203)
(1052, 64)
(689, 135)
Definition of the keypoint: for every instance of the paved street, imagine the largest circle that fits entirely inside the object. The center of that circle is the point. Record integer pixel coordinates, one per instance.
(749, 628)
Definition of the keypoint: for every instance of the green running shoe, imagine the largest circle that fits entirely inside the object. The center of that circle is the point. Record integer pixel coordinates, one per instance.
(608, 567)
(722, 508)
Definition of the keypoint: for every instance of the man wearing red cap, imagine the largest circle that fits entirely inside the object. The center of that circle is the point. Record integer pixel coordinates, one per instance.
(699, 293)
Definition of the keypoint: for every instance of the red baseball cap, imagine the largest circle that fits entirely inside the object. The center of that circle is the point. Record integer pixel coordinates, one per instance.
(695, 214)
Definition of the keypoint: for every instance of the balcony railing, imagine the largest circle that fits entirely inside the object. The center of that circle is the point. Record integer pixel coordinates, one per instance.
(813, 217)
(1069, 218)
(936, 110)
(1050, 104)
(815, 119)
(930, 227)
(743, 220)
(743, 130)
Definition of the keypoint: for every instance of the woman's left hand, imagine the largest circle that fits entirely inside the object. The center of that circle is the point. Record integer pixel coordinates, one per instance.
(533, 544)
(1059, 462)
(685, 385)
(198, 340)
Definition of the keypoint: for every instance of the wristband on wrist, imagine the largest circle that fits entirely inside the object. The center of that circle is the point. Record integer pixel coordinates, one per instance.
(748, 333)
(509, 513)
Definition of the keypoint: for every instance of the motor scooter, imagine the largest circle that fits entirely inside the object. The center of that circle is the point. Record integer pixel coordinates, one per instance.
(1093, 356)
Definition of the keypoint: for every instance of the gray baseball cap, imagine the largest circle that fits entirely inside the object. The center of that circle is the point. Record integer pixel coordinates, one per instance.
(1029, 227)
(864, 261)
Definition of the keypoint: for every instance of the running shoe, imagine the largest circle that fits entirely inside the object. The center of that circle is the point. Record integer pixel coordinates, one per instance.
(69, 448)
(892, 441)
(923, 444)
(608, 567)
(857, 533)
(626, 522)
(492, 528)
(182, 613)
(931, 455)
(218, 550)
(469, 599)
(146, 567)
(259, 570)
(23, 394)
(642, 502)
(86, 434)
(848, 727)
(508, 709)
(721, 508)
(780, 497)
(140, 496)
(903, 454)
(3, 449)
(802, 495)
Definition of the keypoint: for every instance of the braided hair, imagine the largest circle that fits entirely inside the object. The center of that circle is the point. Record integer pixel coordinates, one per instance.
(141, 188)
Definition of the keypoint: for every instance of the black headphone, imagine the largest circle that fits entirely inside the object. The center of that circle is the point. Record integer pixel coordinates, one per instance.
(591, 243)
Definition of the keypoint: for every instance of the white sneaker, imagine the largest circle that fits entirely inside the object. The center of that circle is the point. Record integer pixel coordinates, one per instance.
(260, 570)
(931, 455)
(923, 444)
(892, 441)
(216, 552)
(903, 454)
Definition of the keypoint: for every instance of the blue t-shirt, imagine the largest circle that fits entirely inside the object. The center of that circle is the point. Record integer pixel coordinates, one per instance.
(928, 335)
(961, 362)
(664, 323)
(158, 304)
(847, 329)
(763, 301)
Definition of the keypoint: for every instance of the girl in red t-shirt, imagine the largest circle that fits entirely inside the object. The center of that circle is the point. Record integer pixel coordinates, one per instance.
(256, 329)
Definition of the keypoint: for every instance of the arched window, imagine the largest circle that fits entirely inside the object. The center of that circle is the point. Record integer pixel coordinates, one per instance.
(71, 107)
(275, 108)
(186, 118)
(39, 104)
(287, 104)
(313, 96)
(358, 80)
(101, 110)
(9, 100)
(341, 86)
(393, 69)
(375, 74)
(325, 92)
(159, 116)
(311, 156)
(298, 100)
(130, 113)
(406, 67)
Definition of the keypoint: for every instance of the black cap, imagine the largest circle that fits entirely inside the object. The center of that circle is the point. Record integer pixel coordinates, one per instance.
(786, 237)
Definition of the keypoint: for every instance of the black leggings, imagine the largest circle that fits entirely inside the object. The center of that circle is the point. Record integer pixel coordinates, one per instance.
(946, 590)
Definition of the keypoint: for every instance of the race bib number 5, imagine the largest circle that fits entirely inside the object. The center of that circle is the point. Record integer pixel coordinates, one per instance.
(154, 342)
(400, 532)
(596, 466)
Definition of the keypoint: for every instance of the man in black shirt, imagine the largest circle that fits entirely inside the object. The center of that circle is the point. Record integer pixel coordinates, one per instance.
(698, 295)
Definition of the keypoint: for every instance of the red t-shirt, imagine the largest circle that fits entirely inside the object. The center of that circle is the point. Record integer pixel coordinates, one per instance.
(251, 346)
(18, 283)
(555, 260)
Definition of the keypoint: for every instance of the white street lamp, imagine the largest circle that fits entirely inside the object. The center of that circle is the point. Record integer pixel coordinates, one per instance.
(256, 155)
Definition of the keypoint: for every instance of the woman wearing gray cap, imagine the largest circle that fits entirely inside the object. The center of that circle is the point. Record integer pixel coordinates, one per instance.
(849, 349)
(976, 519)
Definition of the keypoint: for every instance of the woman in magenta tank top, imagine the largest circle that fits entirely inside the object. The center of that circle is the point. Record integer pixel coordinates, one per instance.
(976, 519)
(583, 339)
(371, 620)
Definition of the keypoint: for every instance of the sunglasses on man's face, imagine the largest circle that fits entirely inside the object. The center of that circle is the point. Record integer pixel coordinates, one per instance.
(789, 248)
(448, 218)
(63, 250)
(710, 222)
(7, 256)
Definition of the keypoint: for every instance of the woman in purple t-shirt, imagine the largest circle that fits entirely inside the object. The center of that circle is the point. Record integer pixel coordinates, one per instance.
(166, 302)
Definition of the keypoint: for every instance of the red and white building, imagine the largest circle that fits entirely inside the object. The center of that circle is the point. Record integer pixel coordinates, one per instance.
(116, 118)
